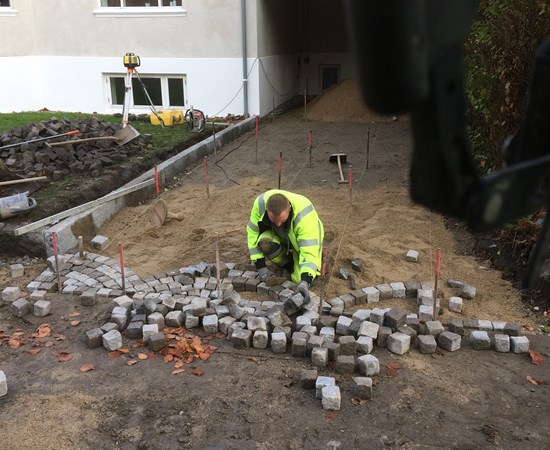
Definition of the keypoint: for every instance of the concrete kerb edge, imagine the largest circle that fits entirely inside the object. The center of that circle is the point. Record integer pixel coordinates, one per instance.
(91, 220)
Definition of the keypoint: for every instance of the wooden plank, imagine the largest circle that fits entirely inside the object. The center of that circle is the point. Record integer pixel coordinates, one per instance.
(69, 212)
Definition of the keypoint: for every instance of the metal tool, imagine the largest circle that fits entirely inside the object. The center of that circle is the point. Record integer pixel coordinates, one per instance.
(160, 213)
(47, 138)
(339, 158)
(121, 137)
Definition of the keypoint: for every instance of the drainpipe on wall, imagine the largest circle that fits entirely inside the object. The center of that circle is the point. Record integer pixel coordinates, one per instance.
(245, 66)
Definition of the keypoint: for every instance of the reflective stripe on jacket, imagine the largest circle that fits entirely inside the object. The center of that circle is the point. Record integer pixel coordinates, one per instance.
(306, 231)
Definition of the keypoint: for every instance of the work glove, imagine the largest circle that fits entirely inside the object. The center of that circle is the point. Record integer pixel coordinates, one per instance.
(264, 273)
(304, 290)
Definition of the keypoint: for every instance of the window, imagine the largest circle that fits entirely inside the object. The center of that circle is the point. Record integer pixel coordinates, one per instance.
(140, 8)
(329, 75)
(5, 3)
(6, 8)
(165, 91)
(138, 3)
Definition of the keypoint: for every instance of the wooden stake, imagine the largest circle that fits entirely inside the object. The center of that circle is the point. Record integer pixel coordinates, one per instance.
(23, 180)
(310, 146)
(54, 238)
(324, 281)
(436, 301)
(305, 106)
(121, 253)
(215, 145)
(350, 175)
(368, 146)
(218, 271)
(206, 176)
(157, 184)
(80, 247)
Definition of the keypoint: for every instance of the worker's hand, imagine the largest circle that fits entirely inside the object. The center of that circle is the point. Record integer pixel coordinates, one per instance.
(264, 273)
(304, 290)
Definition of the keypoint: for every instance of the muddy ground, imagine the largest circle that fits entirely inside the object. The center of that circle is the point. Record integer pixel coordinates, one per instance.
(253, 399)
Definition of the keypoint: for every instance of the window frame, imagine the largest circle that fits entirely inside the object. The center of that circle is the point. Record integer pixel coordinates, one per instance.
(139, 11)
(8, 10)
(164, 91)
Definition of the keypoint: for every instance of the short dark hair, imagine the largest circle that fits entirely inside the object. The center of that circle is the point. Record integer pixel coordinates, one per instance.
(277, 203)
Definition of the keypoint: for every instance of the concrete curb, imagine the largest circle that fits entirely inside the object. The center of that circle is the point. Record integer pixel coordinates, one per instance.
(88, 222)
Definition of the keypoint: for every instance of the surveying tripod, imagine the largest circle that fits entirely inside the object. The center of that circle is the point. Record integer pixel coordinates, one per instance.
(132, 61)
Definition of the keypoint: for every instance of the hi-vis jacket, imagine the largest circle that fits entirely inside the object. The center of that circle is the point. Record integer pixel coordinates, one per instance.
(305, 232)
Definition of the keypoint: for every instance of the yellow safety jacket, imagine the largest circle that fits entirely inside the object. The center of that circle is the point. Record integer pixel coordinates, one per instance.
(305, 232)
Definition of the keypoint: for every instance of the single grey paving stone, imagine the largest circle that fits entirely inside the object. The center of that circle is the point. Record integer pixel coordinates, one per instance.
(156, 342)
(20, 307)
(123, 301)
(456, 326)
(109, 326)
(333, 350)
(449, 341)
(399, 290)
(348, 345)
(313, 342)
(386, 292)
(382, 337)
(433, 327)
(369, 329)
(327, 333)
(413, 322)
(498, 327)
(241, 338)
(344, 274)
(425, 313)
(3, 384)
(394, 318)
(485, 325)
(362, 388)
(455, 304)
(157, 318)
(399, 343)
(148, 330)
(426, 343)
(512, 329)
(88, 298)
(365, 344)
(345, 364)
(94, 337)
(519, 344)
(369, 365)
(322, 382)
(191, 321)
(299, 347)
(319, 357)
(377, 316)
(409, 331)
(112, 340)
(502, 343)
(411, 256)
(331, 398)
(308, 377)
(278, 342)
(260, 339)
(480, 340)
(342, 325)
(134, 330)
(210, 323)
(287, 331)
(302, 321)
(309, 330)
(470, 324)
(42, 308)
(468, 292)
(455, 283)
(224, 323)
(38, 295)
(174, 319)
(373, 294)
(10, 294)
(411, 288)
(357, 264)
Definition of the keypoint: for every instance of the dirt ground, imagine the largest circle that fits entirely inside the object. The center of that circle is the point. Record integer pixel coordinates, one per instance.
(253, 399)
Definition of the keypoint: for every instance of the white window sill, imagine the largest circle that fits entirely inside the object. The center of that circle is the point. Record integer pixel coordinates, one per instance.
(7, 12)
(150, 11)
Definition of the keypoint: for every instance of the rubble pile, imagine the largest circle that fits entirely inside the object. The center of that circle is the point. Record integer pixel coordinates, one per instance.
(31, 159)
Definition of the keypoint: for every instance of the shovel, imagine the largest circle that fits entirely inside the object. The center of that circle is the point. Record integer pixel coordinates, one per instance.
(340, 158)
(121, 137)
(55, 136)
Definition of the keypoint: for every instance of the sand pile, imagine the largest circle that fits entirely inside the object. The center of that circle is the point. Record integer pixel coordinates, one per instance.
(342, 103)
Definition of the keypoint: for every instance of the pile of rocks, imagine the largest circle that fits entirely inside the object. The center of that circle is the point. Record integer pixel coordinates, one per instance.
(56, 161)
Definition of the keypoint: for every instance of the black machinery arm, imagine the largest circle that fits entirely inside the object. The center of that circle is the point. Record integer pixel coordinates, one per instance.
(409, 59)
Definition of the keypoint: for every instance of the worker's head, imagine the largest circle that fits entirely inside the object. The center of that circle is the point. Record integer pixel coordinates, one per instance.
(278, 209)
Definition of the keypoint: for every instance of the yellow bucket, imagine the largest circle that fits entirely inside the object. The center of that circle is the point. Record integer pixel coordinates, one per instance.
(169, 117)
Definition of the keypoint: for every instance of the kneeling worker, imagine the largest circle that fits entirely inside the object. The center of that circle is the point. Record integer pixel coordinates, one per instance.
(285, 228)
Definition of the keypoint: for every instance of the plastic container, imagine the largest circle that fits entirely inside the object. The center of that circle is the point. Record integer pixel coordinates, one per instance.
(15, 204)
(169, 117)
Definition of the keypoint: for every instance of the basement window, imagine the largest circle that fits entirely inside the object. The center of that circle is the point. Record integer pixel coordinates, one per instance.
(165, 91)
(330, 74)
(140, 8)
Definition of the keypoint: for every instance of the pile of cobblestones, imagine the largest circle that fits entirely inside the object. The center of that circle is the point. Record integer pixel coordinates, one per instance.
(342, 330)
